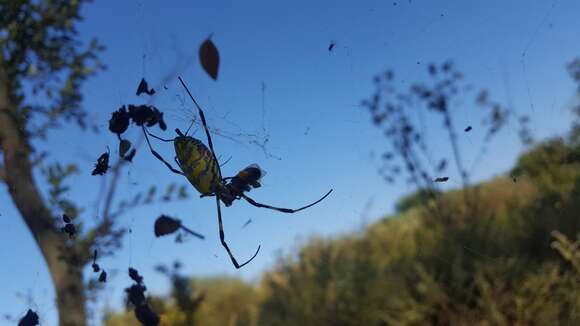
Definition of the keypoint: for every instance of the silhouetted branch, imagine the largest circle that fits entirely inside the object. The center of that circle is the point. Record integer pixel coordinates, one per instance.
(116, 170)
(103, 235)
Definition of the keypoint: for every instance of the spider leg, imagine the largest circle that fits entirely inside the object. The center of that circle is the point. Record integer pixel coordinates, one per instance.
(203, 121)
(223, 238)
(217, 197)
(283, 210)
(157, 137)
(159, 157)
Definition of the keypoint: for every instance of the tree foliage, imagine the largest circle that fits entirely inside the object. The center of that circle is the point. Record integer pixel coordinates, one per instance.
(44, 63)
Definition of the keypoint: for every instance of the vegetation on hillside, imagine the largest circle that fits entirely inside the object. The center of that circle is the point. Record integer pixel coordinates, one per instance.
(516, 262)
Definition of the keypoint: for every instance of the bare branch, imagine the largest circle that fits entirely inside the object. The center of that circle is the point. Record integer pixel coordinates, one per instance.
(104, 235)
(116, 170)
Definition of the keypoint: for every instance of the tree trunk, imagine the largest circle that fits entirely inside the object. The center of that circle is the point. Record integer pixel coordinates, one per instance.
(65, 270)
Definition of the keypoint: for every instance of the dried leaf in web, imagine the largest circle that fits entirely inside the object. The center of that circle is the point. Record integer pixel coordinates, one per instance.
(130, 156)
(124, 147)
(119, 121)
(165, 225)
(30, 319)
(144, 88)
(331, 46)
(102, 164)
(136, 294)
(134, 275)
(69, 229)
(103, 277)
(209, 58)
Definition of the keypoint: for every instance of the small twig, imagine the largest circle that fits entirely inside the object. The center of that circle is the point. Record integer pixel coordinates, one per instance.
(38, 159)
(188, 230)
(113, 187)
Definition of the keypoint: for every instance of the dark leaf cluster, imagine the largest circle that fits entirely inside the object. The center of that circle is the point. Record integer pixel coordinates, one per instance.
(68, 228)
(144, 88)
(140, 115)
(102, 165)
(136, 297)
(97, 268)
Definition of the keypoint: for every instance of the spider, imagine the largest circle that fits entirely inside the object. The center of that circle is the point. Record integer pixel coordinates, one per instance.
(199, 165)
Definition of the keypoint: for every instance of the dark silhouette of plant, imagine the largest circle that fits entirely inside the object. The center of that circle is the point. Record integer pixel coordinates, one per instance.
(574, 71)
(186, 299)
(402, 115)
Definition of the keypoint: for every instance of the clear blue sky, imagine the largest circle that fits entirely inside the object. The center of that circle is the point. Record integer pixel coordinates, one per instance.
(310, 108)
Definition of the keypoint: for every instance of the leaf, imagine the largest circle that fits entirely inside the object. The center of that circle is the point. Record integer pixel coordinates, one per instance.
(102, 164)
(144, 88)
(209, 58)
(124, 146)
(146, 115)
(30, 319)
(136, 294)
(119, 121)
(103, 277)
(134, 275)
(165, 225)
(69, 229)
(129, 157)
